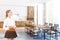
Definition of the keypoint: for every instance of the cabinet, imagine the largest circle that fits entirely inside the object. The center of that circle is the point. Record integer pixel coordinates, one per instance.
(30, 12)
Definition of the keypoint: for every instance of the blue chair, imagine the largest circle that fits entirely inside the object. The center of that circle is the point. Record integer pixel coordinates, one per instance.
(53, 31)
(39, 35)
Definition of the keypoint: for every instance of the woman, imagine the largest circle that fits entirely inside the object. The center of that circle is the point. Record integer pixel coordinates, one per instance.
(9, 26)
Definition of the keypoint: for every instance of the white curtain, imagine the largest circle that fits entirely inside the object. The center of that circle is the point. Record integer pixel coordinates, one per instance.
(49, 12)
(38, 16)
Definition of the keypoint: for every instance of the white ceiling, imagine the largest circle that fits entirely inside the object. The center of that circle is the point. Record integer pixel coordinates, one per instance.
(21, 2)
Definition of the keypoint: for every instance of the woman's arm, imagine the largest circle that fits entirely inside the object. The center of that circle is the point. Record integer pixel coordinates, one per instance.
(4, 25)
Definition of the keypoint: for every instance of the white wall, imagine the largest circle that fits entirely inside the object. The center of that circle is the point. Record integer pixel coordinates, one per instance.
(17, 7)
(56, 12)
(53, 12)
(21, 10)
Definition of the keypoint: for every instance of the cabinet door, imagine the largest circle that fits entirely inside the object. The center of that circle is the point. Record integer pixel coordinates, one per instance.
(1, 24)
(30, 12)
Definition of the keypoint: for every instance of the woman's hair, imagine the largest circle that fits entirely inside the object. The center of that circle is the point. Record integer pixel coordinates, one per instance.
(7, 12)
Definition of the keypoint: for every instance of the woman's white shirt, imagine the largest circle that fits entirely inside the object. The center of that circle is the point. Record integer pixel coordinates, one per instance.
(8, 22)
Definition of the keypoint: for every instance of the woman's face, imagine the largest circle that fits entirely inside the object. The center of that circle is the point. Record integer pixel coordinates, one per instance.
(10, 14)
